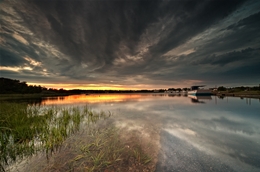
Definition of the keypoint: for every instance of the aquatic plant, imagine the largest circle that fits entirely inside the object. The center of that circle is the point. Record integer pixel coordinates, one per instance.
(29, 129)
(102, 149)
(25, 130)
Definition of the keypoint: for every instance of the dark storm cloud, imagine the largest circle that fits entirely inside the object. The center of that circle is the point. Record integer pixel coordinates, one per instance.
(251, 72)
(246, 22)
(95, 28)
(233, 57)
(218, 53)
(32, 76)
(15, 50)
(194, 18)
(141, 40)
(243, 34)
(10, 59)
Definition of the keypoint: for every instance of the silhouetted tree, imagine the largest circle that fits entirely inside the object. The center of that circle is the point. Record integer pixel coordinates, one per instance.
(178, 89)
(11, 86)
(221, 88)
(185, 89)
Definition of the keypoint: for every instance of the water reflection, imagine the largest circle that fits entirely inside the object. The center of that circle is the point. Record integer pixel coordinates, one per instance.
(30, 101)
(220, 135)
(92, 98)
(199, 99)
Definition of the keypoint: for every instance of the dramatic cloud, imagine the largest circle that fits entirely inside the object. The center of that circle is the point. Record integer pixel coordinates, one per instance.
(136, 44)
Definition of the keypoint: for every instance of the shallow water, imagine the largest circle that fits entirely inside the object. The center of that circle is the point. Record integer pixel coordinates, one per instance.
(195, 133)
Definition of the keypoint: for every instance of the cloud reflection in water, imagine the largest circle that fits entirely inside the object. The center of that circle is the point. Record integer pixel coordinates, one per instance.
(220, 134)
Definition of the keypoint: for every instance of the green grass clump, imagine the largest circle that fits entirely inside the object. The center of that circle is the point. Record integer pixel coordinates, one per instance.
(25, 130)
(105, 150)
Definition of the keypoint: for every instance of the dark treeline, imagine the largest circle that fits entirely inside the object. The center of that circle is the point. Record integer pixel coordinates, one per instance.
(13, 86)
(237, 89)
(10, 86)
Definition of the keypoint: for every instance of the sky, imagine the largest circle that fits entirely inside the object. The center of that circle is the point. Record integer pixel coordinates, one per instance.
(130, 44)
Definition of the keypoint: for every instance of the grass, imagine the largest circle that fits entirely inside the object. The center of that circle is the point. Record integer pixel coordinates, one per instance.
(103, 149)
(26, 130)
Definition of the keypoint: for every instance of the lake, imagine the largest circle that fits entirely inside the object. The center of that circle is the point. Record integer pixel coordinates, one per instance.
(192, 133)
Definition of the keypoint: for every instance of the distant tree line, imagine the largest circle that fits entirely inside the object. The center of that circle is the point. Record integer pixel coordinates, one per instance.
(178, 89)
(237, 89)
(11, 86)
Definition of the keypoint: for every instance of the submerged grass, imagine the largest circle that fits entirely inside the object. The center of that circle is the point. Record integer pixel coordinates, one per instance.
(103, 149)
(25, 130)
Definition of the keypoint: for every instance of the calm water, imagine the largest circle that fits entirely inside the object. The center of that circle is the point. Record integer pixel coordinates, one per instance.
(195, 133)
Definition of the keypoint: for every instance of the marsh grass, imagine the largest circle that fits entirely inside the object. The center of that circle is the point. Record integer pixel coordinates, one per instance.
(25, 130)
(105, 150)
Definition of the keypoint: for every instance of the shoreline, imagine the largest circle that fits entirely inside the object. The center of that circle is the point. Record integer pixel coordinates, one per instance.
(243, 94)
(240, 95)
(25, 96)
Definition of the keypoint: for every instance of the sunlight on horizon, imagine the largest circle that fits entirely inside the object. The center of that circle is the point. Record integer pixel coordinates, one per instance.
(80, 86)
(104, 86)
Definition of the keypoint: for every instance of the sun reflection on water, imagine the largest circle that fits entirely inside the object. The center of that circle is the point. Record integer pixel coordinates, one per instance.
(92, 98)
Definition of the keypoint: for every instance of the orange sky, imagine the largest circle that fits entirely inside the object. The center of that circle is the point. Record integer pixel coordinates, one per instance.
(106, 86)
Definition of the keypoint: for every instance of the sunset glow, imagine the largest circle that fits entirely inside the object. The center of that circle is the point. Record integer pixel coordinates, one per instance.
(105, 87)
